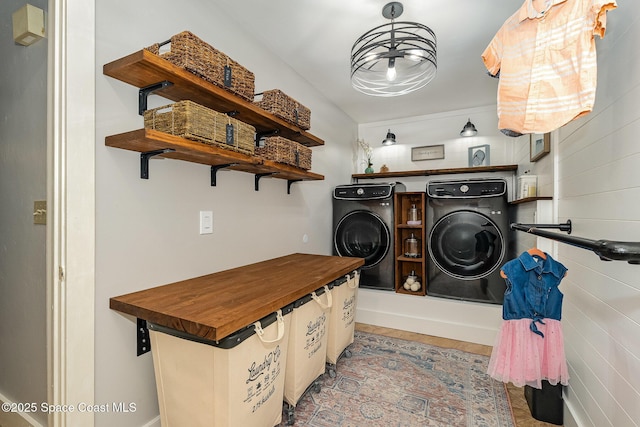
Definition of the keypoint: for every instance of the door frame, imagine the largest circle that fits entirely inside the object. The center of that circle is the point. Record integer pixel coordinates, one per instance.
(71, 209)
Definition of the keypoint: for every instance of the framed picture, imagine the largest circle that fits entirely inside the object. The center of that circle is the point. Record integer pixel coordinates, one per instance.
(479, 155)
(539, 146)
(429, 152)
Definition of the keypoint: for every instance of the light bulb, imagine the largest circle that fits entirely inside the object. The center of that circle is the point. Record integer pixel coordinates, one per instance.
(391, 71)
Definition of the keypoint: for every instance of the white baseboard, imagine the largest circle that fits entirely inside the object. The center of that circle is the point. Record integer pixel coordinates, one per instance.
(569, 420)
(460, 320)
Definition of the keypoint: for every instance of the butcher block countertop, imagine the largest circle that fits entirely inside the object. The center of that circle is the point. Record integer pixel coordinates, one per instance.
(218, 304)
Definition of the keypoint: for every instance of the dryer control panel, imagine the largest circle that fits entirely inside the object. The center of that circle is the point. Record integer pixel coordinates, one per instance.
(461, 189)
(366, 191)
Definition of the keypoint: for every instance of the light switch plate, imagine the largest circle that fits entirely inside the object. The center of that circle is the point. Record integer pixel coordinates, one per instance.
(40, 212)
(206, 222)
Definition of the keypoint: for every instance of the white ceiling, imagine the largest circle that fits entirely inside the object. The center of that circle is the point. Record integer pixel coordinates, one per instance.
(314, 37)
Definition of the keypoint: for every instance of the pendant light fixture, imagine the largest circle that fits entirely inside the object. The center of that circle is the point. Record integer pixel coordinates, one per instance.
(469, 129)
(395, 58)
(390, 138)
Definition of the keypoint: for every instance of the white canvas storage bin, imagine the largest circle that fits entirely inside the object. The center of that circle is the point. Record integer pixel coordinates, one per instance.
(342, 317)
(307, 343)
(237, 381)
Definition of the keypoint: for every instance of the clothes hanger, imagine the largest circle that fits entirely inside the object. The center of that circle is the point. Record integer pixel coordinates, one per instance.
(537, 252)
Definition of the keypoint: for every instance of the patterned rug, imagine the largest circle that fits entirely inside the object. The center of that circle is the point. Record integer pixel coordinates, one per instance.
(392, 382)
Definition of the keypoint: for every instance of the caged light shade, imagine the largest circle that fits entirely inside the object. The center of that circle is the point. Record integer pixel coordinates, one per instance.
(395, 58)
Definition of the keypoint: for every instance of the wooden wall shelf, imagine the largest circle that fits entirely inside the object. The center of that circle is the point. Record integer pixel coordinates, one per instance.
(530, 199)
(153, 74)
(147, 140)
(143, 68)
(429, 172)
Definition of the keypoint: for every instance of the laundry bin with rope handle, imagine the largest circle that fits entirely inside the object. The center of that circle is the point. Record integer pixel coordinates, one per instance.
(342, 319)
(237, 381)
(307, 349)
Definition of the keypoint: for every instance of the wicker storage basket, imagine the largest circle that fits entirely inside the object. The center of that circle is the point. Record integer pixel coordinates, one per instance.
(285, 107)
(194, 55)
(282, 150)
(193, 121)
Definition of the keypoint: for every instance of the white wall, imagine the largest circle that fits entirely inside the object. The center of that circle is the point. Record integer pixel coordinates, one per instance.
(23, 166)
(436, 129)
(599, 190)
(147, 230)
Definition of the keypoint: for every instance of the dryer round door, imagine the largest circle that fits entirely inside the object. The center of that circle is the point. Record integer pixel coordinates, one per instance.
(466, 245)
(362, 234)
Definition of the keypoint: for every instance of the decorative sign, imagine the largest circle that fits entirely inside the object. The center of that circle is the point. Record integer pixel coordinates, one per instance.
(429, 152)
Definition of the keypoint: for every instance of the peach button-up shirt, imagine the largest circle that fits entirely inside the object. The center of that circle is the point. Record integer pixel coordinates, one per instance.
(545, 58)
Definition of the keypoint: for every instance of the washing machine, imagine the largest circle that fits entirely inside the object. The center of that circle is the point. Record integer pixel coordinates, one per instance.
(467, 224)
(363, 228)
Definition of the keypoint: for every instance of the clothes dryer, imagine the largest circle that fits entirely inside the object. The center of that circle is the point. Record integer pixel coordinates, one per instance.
(468, 228)
(363, 228)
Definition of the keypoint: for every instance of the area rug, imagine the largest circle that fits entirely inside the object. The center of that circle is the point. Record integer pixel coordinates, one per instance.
(393, 382)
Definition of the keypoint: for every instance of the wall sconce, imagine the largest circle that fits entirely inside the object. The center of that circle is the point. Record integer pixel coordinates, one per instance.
(390, 138)
(28, 25)
(469, 129)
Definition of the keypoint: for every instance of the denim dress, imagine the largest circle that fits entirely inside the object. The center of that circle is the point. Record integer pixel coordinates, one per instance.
(529, 346)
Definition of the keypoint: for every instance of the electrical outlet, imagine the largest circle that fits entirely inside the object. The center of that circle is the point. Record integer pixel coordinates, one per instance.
(206, 222)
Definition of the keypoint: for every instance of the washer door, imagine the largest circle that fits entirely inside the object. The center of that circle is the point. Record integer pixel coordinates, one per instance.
(362, 234)
(466, 245)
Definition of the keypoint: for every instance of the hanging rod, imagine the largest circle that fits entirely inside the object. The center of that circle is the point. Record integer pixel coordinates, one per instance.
(566, 226)
(607, 250)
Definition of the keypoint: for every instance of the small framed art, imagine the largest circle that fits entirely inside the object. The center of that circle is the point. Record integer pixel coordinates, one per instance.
(429, 152)
(479, 155)
(539, 146)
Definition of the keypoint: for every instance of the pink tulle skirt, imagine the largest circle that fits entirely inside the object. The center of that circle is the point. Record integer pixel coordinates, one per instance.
(525, 358)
